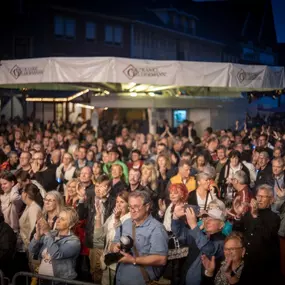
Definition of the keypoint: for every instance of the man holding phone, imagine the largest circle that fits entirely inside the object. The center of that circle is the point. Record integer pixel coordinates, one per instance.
(209, 243)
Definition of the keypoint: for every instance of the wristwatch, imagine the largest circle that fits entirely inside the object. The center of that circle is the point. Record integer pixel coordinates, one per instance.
(135, 261)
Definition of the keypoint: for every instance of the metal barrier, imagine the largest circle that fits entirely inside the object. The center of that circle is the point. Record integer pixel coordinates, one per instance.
(53, 280)
(3, 280)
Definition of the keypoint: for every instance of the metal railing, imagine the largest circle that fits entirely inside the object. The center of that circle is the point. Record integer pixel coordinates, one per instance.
(3, 280)
(53, 280)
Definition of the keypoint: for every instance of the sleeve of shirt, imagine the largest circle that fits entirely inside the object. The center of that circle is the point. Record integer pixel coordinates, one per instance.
(180, 230)
(205, 244)
(117, 236)
(159, 242)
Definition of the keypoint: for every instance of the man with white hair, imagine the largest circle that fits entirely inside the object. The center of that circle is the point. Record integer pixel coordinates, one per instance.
(260, 227)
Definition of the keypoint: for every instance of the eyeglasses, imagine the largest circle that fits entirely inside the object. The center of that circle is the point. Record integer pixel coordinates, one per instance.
(232, 249)
(136, 208)
(49, 200)
(262, 196)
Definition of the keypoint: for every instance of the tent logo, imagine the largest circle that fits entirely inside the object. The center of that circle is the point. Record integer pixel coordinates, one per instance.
(17, 71)
(130, 71)
(247, 76)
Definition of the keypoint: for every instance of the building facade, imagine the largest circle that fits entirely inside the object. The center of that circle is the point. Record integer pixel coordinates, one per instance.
(227, 31)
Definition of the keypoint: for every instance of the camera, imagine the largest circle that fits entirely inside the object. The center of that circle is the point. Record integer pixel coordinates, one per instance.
(126, 244)
(195, 208)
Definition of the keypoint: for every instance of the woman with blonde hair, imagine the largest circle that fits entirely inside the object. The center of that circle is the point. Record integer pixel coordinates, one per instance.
(58, 249)
(53, 204)
(163, 166)
(149, 176)
(65, 172)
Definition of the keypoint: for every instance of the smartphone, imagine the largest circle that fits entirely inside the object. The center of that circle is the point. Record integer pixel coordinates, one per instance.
(195, 208)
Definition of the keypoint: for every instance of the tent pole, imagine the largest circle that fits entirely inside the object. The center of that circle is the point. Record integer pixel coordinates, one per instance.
(24, 106)
(66, 111)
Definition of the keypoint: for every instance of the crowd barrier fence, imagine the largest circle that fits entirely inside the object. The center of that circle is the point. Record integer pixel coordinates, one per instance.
(31, 278)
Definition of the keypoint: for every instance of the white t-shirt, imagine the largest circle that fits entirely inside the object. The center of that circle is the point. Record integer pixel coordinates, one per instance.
(46, 264)
(201, 202)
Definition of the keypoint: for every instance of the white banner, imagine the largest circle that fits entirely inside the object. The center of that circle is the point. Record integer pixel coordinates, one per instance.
(125, 70)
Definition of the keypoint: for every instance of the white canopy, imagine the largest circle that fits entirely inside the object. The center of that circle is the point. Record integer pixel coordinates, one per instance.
(84, 71)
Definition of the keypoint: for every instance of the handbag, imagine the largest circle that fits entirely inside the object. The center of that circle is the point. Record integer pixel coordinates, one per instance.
(174, 249)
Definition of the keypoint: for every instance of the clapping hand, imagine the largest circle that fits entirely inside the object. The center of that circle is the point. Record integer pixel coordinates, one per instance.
(238, 206)
(280, 192)
(228, 266)
(254, 208)
(80, 189)
(209, 264)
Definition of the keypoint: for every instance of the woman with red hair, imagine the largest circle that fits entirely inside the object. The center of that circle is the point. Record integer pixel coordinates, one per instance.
(178, 194)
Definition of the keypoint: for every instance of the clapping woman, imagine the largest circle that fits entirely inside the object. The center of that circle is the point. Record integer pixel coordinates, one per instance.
(58, 249)
(231, 269)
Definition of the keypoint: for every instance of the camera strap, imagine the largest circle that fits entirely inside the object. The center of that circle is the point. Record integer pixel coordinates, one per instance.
(142, 268)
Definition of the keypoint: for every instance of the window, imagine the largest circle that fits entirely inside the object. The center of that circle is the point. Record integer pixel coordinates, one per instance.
(69, 28)
(118, 35)
(64, 27)
(90, 31)
(113, 35)
(58, 26)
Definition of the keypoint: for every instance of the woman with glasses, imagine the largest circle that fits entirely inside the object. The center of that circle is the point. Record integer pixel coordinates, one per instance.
(105, 233)
(231, 269)
(53, 203)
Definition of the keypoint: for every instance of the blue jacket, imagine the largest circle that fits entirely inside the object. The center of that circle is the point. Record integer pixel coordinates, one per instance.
(63, 252)
(199, 244)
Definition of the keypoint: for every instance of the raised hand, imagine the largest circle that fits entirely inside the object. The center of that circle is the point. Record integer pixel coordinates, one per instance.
(162, 205)
(178, 211)
(191, 218)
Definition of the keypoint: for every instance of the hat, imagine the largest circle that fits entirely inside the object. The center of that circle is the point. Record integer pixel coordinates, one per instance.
(216, 214)
(114, 149)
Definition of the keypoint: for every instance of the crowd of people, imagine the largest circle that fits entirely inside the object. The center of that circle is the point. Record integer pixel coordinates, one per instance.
(167, 208)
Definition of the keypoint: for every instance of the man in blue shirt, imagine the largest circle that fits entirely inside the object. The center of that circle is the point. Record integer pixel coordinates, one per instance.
(150, 239)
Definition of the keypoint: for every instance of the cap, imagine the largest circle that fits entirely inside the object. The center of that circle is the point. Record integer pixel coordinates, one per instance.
(216, 214)
(114, 149)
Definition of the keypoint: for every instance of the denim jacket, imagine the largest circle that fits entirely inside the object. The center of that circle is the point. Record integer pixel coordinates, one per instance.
(63, 252)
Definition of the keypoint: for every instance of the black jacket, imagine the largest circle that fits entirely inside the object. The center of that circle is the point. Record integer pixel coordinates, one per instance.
(8, 242)
(262, 246)
(264, 176)
(87, 211)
